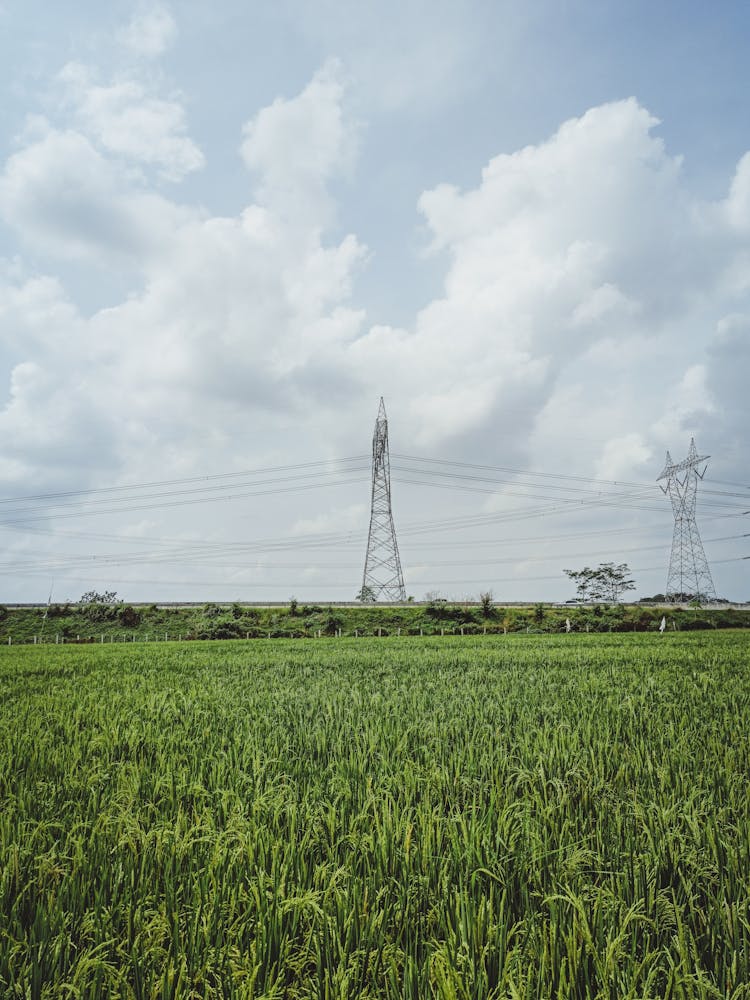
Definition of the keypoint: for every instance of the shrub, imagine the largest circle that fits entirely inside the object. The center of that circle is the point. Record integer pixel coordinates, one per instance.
(332, 623)
(693, 624)
(99, 612)
(128, 616)
(58, 610)
(223, 628)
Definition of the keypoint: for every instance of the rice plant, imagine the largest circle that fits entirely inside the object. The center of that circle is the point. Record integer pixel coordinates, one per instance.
(494, 817)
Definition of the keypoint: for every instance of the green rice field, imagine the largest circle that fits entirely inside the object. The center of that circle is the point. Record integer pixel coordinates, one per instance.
(481, 817)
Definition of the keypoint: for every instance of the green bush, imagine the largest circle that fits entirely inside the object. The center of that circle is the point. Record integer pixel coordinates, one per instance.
(128, 616)
(58, 610)
(332, 623)
(222, 629)
(99, 612)
(694, 624)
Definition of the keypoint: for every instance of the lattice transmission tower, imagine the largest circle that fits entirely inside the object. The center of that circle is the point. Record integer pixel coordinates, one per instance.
(689, 575)
(382, 579)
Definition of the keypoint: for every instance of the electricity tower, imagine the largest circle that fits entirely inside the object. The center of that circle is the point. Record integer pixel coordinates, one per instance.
(382, 578)
(689, 575)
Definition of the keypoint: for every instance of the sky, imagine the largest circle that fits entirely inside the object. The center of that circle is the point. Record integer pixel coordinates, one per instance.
(226, 230)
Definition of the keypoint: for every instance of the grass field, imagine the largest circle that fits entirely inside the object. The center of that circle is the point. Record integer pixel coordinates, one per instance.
(477, 817)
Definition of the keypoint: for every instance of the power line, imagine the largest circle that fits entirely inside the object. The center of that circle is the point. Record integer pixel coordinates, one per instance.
(544, 475)
(556, 493)
(341, 465)
(27, 518)
(338, 585)
(203, 558)
(191, 479)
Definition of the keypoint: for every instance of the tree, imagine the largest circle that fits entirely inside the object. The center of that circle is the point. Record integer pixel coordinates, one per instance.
(366, 594)
(97, 607)
(613, 581)
(608, 582)
(93, 597)
(584, 580)
(487, 602)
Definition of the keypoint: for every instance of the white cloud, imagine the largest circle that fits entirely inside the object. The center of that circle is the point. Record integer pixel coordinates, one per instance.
(738, 200)
(298, 145)
(558, 247)
(232, 317)
(150, 31)
(66, 198)
(33, 310)
(581, 278)
(724, 384)
(553, 272)
(129, 122)
(621, 455)
(340, 519)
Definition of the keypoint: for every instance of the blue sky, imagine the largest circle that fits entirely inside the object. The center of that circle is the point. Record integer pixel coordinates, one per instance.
(227, 229)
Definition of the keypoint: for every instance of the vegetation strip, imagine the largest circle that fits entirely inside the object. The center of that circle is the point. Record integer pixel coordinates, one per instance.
(116, 621)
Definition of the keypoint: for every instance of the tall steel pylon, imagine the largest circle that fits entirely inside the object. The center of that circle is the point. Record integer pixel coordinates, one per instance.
(689, 575)
(382, 579)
